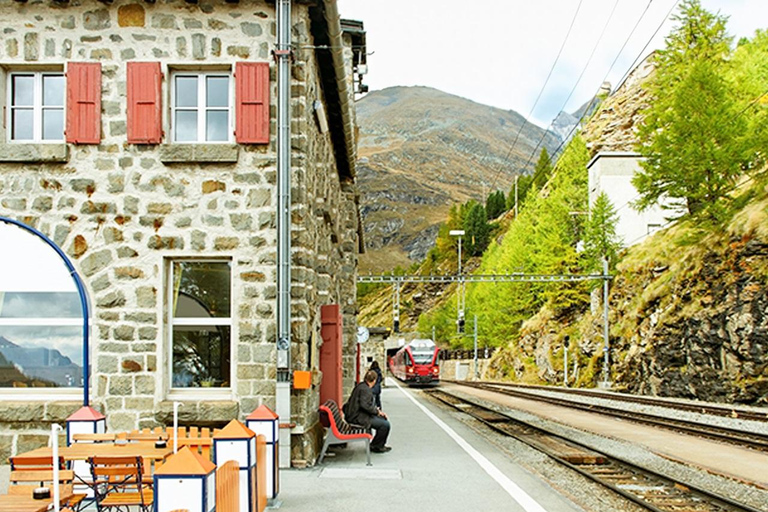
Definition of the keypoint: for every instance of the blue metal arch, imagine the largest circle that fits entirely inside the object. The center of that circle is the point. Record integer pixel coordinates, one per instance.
(80, 290)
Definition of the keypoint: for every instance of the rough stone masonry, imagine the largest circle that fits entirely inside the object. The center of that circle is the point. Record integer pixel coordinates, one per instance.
(123, 211)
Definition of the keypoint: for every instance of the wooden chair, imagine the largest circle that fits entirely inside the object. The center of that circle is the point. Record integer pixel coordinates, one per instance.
(34, 463)
(93, 438)
(23, 482)
(118, 483)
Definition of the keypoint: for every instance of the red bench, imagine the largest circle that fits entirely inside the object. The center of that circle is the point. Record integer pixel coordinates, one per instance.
(341, 432)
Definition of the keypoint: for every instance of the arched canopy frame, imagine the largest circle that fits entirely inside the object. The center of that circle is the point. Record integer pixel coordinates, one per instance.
(80, 290)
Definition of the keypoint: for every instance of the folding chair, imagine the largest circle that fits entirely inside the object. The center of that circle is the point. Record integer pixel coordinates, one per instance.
(118, 484)
(34, 463)
(23, 482)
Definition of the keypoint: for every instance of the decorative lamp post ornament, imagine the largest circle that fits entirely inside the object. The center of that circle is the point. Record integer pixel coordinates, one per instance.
(185, 481)
(237, 442)
(263, 421)
(86, 420)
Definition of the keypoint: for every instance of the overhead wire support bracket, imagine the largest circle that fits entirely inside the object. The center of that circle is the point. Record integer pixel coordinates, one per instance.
(482, 278)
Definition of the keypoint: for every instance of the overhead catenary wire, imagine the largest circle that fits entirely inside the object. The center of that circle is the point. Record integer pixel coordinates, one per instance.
(578, 80)
(541, 92)
(618, 54)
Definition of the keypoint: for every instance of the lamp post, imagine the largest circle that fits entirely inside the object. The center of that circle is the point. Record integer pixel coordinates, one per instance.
(460, 300)
(606, 336)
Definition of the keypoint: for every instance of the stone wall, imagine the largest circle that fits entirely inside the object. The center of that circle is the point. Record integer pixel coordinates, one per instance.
(121, 210)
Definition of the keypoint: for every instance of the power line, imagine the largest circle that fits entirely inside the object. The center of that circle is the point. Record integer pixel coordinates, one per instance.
(583, 115)
(541, 91)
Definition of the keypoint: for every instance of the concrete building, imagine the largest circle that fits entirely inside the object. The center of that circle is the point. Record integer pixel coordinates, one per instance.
(140, 137)
(612, 172)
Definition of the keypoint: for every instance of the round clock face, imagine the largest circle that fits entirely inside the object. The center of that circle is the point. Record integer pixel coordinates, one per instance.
(362, 334)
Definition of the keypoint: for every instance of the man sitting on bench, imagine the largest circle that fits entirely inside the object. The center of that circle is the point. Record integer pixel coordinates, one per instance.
(361, 409)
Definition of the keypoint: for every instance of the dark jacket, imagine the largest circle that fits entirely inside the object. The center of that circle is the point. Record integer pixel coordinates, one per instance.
(377, 387)
(360, 407)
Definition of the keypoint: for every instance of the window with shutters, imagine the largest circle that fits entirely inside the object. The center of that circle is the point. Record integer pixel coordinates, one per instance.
(36, 110)
(201, 107)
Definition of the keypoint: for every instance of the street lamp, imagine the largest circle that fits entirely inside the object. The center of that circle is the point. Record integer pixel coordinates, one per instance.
(460, 300)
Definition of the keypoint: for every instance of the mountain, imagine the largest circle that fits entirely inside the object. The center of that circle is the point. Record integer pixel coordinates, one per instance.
(422, 150)
(565, 122)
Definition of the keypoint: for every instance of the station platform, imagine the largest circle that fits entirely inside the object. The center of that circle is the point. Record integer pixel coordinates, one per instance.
(437, 464)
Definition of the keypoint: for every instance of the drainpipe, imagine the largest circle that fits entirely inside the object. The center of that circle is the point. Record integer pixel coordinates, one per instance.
(283, 385)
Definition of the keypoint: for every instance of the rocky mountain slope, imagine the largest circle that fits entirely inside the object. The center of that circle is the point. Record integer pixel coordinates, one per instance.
(422, 150)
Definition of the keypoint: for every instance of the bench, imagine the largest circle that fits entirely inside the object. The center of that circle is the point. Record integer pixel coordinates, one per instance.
(341, 432)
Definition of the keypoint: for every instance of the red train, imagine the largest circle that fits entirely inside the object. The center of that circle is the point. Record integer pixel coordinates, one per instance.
(416, 363)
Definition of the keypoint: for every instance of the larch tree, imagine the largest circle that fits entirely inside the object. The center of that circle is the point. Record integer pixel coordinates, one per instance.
(692, 137)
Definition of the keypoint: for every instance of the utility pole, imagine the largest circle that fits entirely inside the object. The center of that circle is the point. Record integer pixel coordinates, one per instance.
(477, 370)
(606, 372)
(460, 299)
(516, 176)
(565, 361)
(396, 309)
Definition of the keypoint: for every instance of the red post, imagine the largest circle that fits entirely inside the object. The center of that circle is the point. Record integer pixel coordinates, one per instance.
(330, 354)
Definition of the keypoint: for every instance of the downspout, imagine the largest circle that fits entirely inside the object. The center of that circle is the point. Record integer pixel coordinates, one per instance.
(80, 291)
(283, 384)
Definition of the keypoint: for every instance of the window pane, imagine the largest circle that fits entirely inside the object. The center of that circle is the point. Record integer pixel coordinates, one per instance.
(53, 124)
(186, 91)
(201, 289)
(41, 356)
(22, 124)
(40, 305)
(201, 356)
(23, 90)
(217, 92)
(186, 125)
(53, 91)
(216, 125)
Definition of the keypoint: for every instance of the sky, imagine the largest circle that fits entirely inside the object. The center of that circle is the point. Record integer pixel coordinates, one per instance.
(500, 52)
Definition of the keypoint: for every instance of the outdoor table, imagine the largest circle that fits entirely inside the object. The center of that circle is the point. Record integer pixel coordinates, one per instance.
(14, 503)
(82, 451)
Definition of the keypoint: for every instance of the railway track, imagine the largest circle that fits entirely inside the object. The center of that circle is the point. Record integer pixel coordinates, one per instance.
(742, 438)
(701, 408)
(645, 487)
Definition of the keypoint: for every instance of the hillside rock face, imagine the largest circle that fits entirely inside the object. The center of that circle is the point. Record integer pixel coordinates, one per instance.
(708, 338)
(422, 150)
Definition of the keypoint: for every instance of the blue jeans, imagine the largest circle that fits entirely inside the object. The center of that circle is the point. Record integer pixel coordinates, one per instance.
(381, 426)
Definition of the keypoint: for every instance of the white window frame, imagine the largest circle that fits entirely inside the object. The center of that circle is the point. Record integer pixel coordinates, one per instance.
(198, 393)
(37, 108)
(202, 107)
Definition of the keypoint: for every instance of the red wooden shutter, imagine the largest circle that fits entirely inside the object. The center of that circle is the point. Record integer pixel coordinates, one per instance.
(252, 102)
(144, 103)
(84, 102)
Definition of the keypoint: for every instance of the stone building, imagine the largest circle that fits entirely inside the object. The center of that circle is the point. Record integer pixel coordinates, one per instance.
(140, 137)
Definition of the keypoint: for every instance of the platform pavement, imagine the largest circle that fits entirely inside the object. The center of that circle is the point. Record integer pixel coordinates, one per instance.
(427, 470)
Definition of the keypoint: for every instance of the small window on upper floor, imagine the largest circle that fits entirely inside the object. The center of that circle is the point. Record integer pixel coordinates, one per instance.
(36, 112)
(201, 107)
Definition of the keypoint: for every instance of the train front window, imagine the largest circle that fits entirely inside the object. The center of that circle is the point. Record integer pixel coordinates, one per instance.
(422, 357)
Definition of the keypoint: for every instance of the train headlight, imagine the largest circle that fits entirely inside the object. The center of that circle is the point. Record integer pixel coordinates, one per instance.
(410, 369)
(435, 369)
